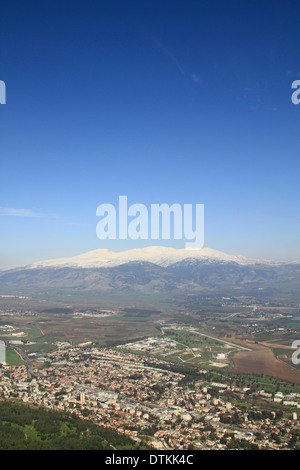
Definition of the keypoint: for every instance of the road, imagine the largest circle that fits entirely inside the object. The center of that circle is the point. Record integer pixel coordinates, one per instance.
(25, 358)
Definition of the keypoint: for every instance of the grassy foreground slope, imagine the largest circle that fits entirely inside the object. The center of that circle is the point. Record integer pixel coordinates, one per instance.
(24, 427)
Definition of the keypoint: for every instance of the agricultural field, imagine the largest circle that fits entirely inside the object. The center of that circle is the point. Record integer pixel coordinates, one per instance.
(236, 335)
(12, 358)
(262, 360)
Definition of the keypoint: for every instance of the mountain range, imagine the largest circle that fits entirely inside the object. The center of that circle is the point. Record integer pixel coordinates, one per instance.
(152, 270)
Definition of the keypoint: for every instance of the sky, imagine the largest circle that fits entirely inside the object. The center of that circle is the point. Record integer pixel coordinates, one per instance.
(184, 102)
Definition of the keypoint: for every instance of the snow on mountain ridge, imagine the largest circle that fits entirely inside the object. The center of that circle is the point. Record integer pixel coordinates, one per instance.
(162, 256)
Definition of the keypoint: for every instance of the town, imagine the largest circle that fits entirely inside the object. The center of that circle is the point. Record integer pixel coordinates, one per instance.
(142, 398)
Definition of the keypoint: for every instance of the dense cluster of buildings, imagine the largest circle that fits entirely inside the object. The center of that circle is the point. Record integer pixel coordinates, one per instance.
(145, 400)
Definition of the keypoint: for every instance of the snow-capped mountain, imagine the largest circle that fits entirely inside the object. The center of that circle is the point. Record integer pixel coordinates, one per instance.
(151, 271)
(162, 256)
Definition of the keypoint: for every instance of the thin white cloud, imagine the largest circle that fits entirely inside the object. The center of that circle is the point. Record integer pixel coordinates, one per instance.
(170, 54)
(13, 212)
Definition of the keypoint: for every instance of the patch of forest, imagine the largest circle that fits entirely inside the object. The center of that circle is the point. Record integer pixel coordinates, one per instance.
(25, 427)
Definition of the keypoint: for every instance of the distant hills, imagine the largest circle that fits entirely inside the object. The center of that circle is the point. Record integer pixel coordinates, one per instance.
(153, 270)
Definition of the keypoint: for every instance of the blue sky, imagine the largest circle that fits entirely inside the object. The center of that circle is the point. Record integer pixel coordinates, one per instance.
(162, 101)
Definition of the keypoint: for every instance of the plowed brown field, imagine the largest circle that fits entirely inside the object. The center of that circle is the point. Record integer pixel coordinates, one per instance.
(262, 361)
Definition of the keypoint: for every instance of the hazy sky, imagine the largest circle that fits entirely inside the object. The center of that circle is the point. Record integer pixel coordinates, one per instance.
(162, 101)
